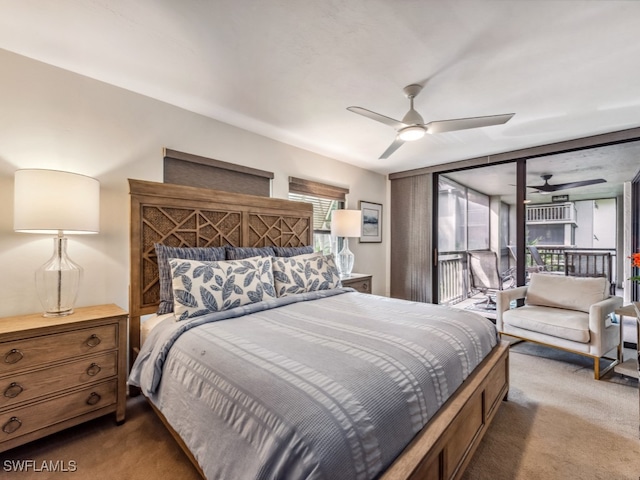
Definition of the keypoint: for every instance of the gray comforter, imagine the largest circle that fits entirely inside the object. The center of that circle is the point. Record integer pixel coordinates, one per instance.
(328, 385)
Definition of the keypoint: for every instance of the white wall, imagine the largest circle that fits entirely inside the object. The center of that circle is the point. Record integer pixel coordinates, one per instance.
(605, 219)
(597, 220)
(51, 118)
(583, 234)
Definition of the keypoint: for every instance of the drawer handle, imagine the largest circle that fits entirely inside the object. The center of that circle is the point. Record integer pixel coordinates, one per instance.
(14, 356)
(93, 369)
(13, 390)
(12, 425)
(93, 340)
(93, 398)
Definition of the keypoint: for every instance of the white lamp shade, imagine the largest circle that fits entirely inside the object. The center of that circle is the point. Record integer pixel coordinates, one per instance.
(50, 201)
(346, 223)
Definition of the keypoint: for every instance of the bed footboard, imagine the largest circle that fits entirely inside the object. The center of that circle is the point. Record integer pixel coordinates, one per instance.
(445, 446)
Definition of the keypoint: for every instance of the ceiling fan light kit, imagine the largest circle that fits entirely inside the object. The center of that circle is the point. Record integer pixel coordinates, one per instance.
(412, 126)
(409, 134)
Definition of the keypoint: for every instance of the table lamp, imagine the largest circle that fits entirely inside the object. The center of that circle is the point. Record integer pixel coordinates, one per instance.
(346, 223)
(50, 201)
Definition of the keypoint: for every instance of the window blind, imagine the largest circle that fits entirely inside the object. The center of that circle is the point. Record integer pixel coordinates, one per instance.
(195, 171)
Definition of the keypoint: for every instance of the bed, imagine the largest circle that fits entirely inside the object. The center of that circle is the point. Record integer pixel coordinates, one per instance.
(328, 383)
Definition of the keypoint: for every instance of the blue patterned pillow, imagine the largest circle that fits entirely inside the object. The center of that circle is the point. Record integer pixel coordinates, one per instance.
(204, 287)
(292, 251)
(239, 253)
(164, 253)
(304, 273)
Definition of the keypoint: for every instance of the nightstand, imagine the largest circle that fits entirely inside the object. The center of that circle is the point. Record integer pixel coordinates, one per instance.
(59, 372)
(360, 281)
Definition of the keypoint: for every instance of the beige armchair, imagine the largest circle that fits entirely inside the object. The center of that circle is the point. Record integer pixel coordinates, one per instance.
(569, 313)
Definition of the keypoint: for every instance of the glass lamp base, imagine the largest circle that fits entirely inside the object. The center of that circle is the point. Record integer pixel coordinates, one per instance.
(345, 259)
(62, 313)
(57, 281)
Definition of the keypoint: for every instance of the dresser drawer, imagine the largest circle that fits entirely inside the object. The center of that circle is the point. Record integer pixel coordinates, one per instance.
(27, 419)
(19, 355)
(27, 386)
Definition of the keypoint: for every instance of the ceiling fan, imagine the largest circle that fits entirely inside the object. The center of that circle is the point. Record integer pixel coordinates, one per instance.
(412, 126)
(547, 188)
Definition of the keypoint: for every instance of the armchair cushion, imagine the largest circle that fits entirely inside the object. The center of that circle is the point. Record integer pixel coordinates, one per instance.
(570, 324)
(572, 293)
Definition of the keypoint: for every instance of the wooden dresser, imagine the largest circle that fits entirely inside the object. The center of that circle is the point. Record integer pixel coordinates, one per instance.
(359, 281)
(59, 372)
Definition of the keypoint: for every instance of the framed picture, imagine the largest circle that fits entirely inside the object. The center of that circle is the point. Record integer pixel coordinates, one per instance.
(371, 222)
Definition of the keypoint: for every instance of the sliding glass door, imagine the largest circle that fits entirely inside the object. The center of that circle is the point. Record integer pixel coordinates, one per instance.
(474, 214)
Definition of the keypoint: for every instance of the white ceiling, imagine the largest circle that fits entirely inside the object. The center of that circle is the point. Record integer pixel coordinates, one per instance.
(287, 69)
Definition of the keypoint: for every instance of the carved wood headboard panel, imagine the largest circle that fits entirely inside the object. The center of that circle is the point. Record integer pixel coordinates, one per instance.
(182, 216)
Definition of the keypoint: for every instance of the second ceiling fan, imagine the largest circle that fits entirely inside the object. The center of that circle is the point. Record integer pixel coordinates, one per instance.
(546, 187)
(412, 126)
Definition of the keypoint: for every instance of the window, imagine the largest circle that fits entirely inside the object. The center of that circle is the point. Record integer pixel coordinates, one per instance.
(477, 220)
(322, 209)
(463, 218)
(325, 199)
(452, 217)
(548, 234)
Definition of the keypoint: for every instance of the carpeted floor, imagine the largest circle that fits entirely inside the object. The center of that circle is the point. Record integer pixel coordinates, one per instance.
(559, 423)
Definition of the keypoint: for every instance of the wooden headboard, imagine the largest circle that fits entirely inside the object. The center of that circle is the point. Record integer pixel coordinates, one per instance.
(181, 216)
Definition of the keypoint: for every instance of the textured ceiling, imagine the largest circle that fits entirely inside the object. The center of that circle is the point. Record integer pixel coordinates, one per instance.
(616, 165)
(287, 69)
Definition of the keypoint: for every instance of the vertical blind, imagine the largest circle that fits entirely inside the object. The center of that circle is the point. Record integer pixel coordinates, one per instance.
(411, 244)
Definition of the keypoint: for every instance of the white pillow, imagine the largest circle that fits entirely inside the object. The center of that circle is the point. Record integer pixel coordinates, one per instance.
(304, 273)
(201, 287)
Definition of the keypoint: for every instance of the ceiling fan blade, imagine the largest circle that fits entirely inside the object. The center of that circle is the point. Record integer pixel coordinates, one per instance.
(546, 187)
(397, 143)
(397, 124)
(440, 126)
(584, 183)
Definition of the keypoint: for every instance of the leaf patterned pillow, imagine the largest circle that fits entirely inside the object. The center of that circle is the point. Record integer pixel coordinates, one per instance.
(304, 273)
(164, 253)
(204, 287)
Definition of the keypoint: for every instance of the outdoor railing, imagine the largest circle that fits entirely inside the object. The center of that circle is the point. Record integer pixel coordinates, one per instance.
(554, 257)
(556, 213)
(452, 268)
(453, 272)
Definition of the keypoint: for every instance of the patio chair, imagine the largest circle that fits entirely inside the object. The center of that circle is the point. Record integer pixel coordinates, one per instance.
(529, 269)
(486, 277)
(540, 264)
